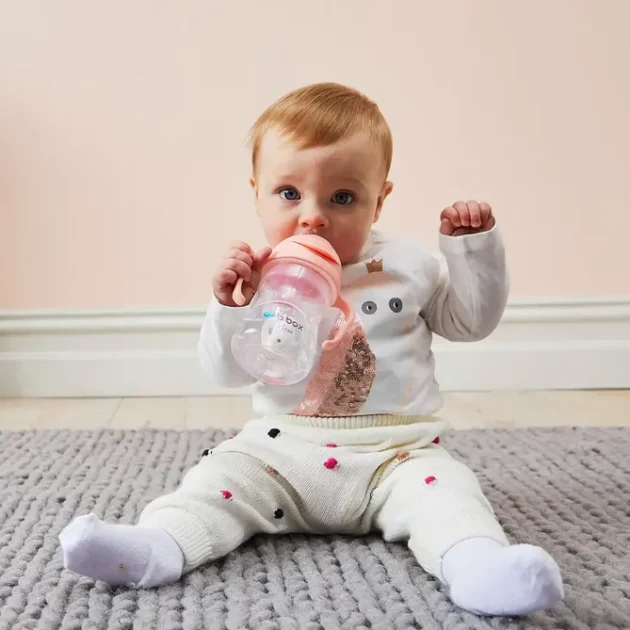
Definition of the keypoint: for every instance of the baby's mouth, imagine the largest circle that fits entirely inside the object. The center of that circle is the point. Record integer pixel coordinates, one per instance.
(312, 233)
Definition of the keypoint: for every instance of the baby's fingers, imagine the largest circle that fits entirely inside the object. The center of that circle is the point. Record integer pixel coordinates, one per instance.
(463, 213)
(451, 215)
(260, 258)
(224, 279)
(475, 214)
(486, 212)
(242, 247)
(242, 269)
(239, 254)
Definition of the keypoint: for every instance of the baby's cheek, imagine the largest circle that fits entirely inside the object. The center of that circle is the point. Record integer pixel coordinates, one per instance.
(278, 230)
(276, 223)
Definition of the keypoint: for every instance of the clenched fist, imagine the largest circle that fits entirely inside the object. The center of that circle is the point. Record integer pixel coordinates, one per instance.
(240, 262)
(466, 218)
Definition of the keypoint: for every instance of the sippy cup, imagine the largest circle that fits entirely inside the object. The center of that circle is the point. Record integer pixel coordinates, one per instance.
(277, 343)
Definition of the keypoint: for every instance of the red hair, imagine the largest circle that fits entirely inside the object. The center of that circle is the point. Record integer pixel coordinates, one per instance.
(322, 114)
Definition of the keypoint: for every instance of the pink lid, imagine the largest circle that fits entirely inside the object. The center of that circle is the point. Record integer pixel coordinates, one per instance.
(317, 252)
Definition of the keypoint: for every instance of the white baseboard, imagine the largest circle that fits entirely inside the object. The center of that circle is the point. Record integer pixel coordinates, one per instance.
(542, 344)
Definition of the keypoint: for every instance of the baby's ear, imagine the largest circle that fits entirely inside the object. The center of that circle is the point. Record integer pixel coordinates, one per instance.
(387, 189)
(252, 183)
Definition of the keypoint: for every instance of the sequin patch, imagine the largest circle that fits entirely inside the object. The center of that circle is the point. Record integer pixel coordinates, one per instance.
(343, 379)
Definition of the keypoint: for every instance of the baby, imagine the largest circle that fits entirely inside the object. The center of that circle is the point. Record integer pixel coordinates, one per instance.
(355, 447)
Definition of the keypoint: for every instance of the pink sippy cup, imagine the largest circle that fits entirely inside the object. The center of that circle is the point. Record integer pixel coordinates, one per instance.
(277, 343)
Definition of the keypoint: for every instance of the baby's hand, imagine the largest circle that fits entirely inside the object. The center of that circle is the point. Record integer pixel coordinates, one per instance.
(466, 218)
(239, 263)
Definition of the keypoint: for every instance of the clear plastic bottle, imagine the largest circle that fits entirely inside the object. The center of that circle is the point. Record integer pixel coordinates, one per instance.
(277, 342)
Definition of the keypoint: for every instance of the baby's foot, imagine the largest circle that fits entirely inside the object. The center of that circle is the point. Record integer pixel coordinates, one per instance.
(488, 578)
(133, 555)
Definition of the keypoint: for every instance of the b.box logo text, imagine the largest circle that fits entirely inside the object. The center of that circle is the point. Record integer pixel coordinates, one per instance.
(290, 321)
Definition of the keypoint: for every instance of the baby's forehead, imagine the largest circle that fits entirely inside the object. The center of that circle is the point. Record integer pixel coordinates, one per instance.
(356, 156)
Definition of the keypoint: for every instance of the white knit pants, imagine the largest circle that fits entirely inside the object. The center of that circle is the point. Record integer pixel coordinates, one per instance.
(327, 475)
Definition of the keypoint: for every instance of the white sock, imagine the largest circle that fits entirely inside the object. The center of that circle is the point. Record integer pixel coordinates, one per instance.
(489, 578)
(131, 555)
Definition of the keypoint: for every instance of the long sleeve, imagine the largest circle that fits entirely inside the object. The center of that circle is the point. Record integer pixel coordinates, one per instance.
(471, 288)
(214, 348)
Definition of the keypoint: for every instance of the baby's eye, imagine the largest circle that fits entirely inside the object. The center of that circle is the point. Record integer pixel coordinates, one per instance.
(289, 194)
(343, 198)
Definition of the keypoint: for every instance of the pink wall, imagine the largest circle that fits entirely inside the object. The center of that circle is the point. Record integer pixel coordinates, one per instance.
(123, 172)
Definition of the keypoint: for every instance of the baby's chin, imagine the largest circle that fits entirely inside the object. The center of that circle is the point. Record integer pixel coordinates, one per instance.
(348, 255)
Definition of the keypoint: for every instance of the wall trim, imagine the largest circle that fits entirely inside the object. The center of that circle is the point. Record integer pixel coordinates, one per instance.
(554, 343)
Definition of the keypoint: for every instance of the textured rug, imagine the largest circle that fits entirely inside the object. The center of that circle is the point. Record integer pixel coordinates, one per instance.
(565, 489)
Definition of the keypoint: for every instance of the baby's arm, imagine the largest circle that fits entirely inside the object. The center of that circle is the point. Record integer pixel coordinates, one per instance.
(214, 348)
(224, 316)
(471, 289)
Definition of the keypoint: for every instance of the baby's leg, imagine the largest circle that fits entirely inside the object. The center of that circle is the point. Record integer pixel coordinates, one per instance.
(436, 504)
(223, 501)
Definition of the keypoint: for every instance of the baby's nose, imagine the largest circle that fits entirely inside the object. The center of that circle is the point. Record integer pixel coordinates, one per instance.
(313, 216)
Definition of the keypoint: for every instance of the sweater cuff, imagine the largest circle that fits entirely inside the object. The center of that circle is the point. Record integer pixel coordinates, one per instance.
(226, 317)
(470, 243)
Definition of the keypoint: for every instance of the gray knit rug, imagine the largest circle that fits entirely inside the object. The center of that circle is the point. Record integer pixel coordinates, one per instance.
(565, 489)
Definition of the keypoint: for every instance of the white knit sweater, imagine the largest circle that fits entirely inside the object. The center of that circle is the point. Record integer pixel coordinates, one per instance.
(401, 294)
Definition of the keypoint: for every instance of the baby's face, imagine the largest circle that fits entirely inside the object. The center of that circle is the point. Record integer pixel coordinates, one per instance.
(334, 191)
